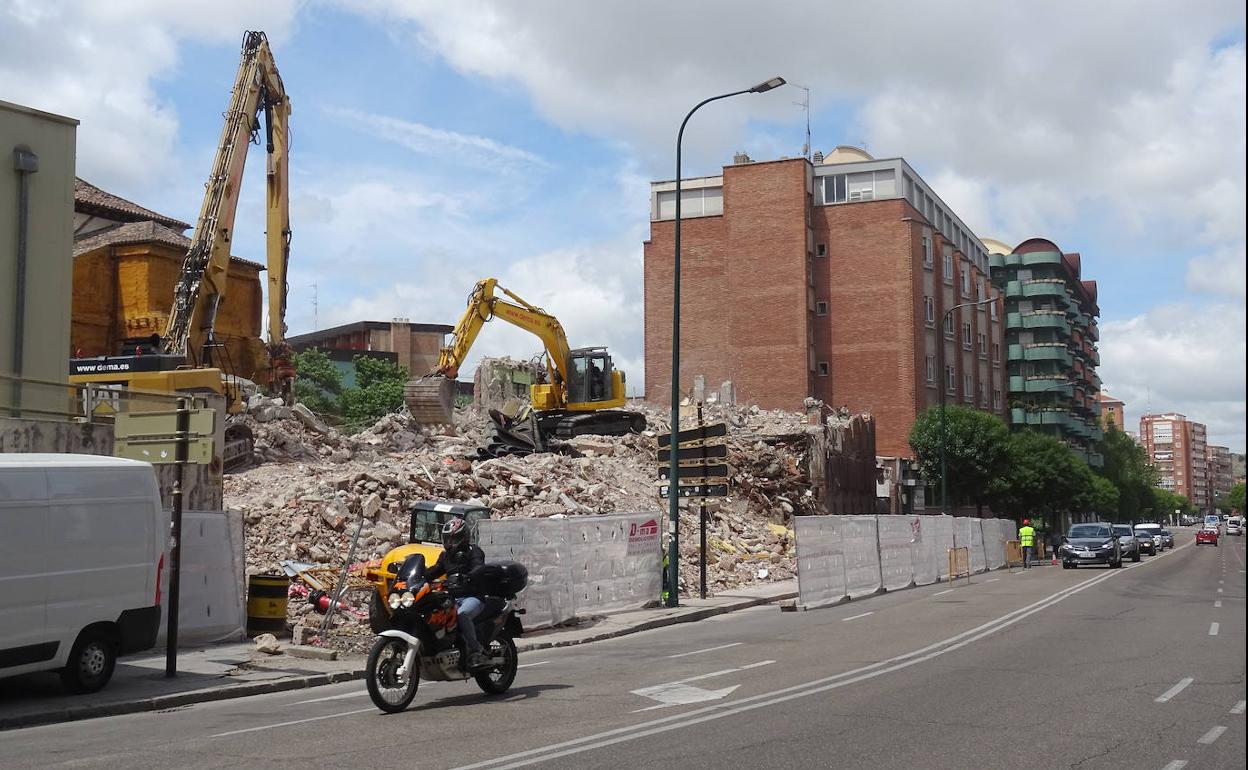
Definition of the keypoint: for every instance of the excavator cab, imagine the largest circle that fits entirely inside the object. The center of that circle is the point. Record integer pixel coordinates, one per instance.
(589, 376)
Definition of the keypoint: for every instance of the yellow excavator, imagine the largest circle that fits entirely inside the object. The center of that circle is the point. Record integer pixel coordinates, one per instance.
(583, 396)
(184, 359)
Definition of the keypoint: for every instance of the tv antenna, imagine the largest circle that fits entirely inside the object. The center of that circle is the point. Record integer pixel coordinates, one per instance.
(805, 104)
(315, 324)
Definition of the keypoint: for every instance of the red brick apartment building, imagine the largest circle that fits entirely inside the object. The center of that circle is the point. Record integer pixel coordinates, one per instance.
(1113, 411)
(1177, 448)
(824, 279)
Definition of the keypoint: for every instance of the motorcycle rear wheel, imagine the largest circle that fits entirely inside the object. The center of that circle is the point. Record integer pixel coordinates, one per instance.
(497, 680)
(381, 675)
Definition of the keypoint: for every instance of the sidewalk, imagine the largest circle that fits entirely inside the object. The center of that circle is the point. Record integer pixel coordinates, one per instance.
(237, 670)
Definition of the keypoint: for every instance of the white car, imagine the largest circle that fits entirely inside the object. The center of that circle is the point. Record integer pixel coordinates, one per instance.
(82, 546)
(1151, 532)
(1235, 525)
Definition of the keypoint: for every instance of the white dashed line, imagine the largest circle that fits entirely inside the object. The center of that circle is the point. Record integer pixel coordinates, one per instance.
(855, 617)
(1217, 603)
(1212, 735)
(992, 580)
(941, 593)
(1173, 691)
(1213, 629)
(1239, 708)
(708, 649)
(531, 665)
(1176, 764)
(293, 722)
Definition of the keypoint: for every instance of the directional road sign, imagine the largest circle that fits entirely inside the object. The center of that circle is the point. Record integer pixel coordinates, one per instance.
(698, 490)
(707, 471)
(688, 435)
(714, 451)
(151, 424)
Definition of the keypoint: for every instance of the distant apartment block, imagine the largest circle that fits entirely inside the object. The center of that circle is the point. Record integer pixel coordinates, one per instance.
(1113, 411)
(413, 346)
(1177, 448)
(1221, 475)
(1051, 334)
(827, 279)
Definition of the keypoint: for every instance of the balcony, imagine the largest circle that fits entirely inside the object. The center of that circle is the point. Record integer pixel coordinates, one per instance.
(1050, 383)
(1094, 332)
(1013, 289)
(1039, 319)
(1044, 287)
(1096, 459)
(1047, 351)
(1059, 417)
(1041, 258)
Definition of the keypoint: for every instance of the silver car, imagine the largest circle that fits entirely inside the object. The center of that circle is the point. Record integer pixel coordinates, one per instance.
(1150, 533)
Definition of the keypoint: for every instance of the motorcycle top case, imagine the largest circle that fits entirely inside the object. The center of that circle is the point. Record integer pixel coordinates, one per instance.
(504, 578)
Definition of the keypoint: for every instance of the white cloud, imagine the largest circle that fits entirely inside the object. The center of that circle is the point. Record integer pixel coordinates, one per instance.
(100, 62)
(1221, 272)
(1184, 358)
(473, 150)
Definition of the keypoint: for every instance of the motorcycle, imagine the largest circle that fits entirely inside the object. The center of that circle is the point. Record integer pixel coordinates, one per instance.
(423, 639)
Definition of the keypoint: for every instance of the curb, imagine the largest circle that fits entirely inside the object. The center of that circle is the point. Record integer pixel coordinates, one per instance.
(175, 700)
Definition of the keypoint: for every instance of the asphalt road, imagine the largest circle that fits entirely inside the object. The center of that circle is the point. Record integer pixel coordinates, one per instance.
(1091, 668)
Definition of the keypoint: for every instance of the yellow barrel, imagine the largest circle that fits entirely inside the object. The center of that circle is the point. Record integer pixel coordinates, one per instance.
(266, 604)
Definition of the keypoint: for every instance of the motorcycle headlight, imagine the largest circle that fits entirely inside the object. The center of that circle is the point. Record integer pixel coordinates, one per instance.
(394, 601)
(407, 600)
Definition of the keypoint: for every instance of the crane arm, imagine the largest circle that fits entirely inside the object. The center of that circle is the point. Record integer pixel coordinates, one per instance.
(202, 282)
(484, 305)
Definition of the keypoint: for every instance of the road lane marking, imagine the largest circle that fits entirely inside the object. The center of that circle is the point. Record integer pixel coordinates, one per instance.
(331, 697)
(292, 722)
(1212, 735)
(1176, 764)
(708, 649)
(746, 667)
(942, 593)
(681, 693)
(1217, 603)
(855, 617)
(993, 580)
(1213, 629)
(531, 665)
(1219, 590)
(1239, 708)
(1173, 691)
(845, 678)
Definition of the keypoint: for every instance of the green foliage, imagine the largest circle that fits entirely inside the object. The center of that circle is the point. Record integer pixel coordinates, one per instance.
(1044, 476)
(1126, 467)
(975, 452)
(1165, 503)
(1102, 497)
(1234, 500)
(378, 392)
(318, 383)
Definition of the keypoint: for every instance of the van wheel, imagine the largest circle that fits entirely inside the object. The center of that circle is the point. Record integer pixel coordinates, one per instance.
(91, 661)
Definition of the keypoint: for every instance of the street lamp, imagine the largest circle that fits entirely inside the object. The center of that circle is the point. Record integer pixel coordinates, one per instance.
(673, 488)
(944, 388)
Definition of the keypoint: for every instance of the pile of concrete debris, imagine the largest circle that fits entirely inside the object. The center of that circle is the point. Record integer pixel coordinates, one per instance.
(311, 486)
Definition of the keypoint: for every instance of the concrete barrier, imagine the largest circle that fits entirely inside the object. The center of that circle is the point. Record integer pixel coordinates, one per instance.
(820, 561)
(897, 567)
(861, 547)
(937, 534)
(580, 566)
(212, 593)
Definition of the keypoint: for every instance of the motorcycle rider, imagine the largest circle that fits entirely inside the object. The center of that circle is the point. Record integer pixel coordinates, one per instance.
(460, 556)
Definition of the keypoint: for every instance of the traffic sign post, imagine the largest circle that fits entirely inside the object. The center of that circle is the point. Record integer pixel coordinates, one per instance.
(698, 460)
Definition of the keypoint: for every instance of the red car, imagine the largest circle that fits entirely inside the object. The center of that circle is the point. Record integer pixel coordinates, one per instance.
(1207, 536)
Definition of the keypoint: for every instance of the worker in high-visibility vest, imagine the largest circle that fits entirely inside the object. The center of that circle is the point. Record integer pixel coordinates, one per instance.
(1027, 539)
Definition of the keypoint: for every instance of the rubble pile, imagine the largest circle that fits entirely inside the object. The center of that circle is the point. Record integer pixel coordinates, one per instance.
(311, 487)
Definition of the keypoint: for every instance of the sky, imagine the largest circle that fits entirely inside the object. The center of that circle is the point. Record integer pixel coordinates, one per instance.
(437, 143)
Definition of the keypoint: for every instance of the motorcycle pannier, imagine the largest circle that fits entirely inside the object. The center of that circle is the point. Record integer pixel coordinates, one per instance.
(504, 578)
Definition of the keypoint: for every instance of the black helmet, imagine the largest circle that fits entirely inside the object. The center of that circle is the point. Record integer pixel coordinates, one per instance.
(455, 534)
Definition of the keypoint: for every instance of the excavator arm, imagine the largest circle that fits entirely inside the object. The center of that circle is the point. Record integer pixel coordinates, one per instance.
(202, 283)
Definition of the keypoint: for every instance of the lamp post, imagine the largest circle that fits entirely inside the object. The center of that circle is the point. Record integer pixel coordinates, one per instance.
(673, 488)
(944, 388)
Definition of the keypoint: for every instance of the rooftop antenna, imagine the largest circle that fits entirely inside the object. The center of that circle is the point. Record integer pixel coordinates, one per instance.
(315, 324)
(805, 104)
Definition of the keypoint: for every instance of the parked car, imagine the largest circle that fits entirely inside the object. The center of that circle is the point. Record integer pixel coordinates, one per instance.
(1214, 521)
(1167, 538)
(82, 546)
(1207, 535)
(1235, 525)
(1150, 537)
(1131, 545)
(1092, 544)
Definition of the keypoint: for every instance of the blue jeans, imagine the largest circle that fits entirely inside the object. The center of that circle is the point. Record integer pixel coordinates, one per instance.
(468, 609)
(1028, 550)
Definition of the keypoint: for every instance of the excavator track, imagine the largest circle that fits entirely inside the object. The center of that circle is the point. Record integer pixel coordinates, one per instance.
(431, 400)
(606, 422)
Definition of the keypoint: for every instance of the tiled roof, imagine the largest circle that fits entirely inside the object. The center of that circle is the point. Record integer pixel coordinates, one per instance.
(140, 232)
(90, 199)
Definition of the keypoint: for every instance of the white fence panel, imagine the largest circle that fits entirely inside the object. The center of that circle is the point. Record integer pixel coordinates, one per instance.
(937, 534)
(896, 564)
(976, 544)
(820, 561)
(212, 586)
(994, 546)
(862, 556)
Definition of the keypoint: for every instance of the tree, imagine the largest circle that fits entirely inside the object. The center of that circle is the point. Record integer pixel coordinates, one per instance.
(1102, 497)
(1126, 467)
(1233, 501)
(975, 451)
(1165, 503)
(1044, 476)
(318, 383)
(378, 391)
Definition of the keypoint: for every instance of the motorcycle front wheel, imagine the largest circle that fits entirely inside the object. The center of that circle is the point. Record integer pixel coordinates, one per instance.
(388, 691)
(496, 679)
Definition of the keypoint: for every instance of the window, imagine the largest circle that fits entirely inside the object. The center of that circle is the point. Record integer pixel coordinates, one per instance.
(706, 201)
(983, 395)
(979, 293)
(949, 326)
(992, 310)
(927, 251)
(834, 188)
(983, 345)
(996, 400)
(821, 308)
(996, 353)
(929, 311)
(966, 282)
(966, 336)
(948, 260)
(931, 370)
(823, 368)
(951, 380)
(821, 249)
(968, 385)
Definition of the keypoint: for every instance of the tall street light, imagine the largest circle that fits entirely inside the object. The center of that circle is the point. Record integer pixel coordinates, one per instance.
(944, 388)
(673, 488)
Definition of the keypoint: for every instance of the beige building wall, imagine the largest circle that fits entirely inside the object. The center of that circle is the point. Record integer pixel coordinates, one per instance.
(49, 251)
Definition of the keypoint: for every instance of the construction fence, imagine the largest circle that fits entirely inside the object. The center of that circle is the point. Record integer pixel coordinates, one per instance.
(579, 566)
(848, 557)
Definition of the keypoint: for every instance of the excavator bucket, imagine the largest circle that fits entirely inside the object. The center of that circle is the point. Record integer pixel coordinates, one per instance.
(431, 400)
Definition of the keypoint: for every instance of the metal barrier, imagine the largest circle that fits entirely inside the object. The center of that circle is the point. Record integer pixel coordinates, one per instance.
(960, 563)
(1013, 554)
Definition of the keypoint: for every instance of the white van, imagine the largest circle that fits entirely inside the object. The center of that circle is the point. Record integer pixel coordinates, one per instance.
(82, 546)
